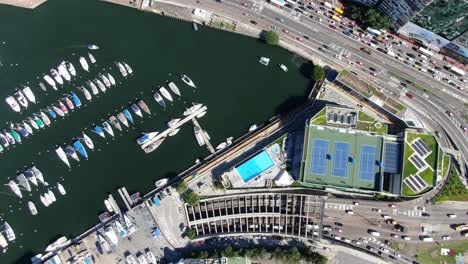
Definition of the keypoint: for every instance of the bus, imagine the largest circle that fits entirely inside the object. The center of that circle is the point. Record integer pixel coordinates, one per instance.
(457, 71)
(425, 52)
(279, 3)
(338, 10)
(461, 227)
(374, 32)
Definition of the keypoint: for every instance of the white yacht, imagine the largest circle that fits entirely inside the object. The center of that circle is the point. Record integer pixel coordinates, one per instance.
(23, 181)
(91, 58)
(111, 79)
(150, 256)
(52, 195)
(161, 182)
(104, 79)
(142, 259)
(165, 93)
(110, 234)
(108, 206)
(61, 189)
(29, 94)
(11, 101)
(94, 88)
(44, 201)
(187, 81)
(56, 244)
(265, 61)
(38, 174)
(283, 67)
(174, 88)
(15, 189)
(84, 64)
(128, 68)
(71, 68)
(50, 81)
(48, 198)
(104, 244)
(55, 74)
(87, 140)
(198, 135)
(130, 259)
(173, 122)
(21, 99)
(10, 234)
(62, 69)
(101, 86)
(86, 93)
(121, 69)
(3, 241)
(32, 208)
(62, 155)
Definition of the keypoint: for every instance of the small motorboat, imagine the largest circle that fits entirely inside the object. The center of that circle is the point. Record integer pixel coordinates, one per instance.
(128, 68)
(38, 174)
(15, 135)
(187, 81)
(10, 138)
(11, 101)
(21, 99)
(148, 148)
(62, 69)
(94, 88)
(48, 198)
(51, 195)
(128, 115)
(122, 119)
(87, 140)
(27, 127)
(174, 88)
(105, 80)
(75, 99)
(198, 135)
(108, 206)
(161, 182)
(51, 113)
(45, 118)
(144, 107)
(59, 111)
(63, 107)
(69, 103)
(173, 122)
(15, 188)
(62, 155)
(10, 234)
(111, 79)
(165, 93)
(23, 131)
(136, 110)
(108, 128)
(61, 189)
(55, 74)
(29, 173)
(32, 208)
(70, 151)
(85, 92)
(252, 127)
(92, 47)
(98, 130)
(283, 67)
(91, 58)
(44, 201)
(121, 69)
(71, 68)
(115, 122)
(50, 81)
(56, 244)
(39, 122)
(43, 87)
(221, 146)
(159, 99)
(264, 60)
(23, 181)
(29, 94)
(84, 64)
(200, 115)
(101, 86)
(146, 137)
(4, 140)
(80, 148)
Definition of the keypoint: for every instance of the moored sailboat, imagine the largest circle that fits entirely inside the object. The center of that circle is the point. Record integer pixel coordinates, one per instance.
(159, 99)
(113, 121)
(70, 151)
(165, 93)
(15, 188)
(84, 64)
(136, 110)
(108, 128)
(87, 140)
(62, 155)
(11, 101)
(61, 189)
(144, 107)
(174, 88)
(98, 130)
(122, 119)
(80, 148)
(122, 69)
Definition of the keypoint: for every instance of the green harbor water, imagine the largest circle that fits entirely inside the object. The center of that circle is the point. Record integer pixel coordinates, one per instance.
(237, 90)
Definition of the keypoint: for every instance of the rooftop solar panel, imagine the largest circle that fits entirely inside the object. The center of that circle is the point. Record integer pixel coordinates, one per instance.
(421, 182)
(415, 183)
(417, 161)
(418, 149)
(411, 185)
(423, 145)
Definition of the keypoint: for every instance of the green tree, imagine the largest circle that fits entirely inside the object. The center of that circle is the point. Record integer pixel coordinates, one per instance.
(181, 187)
(229, 252)
(192, 198)
(272, 38)
(191, 233)
(318, 73)
(294, 255)
(218, 185)
(203, 254)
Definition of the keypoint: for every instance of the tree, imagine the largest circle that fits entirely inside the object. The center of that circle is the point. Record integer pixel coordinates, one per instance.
(318, 73)
(218, 185)
(191, 233)
(294, 255)
(272, 38)
(181, 187)
(204, 254)
(192, 198)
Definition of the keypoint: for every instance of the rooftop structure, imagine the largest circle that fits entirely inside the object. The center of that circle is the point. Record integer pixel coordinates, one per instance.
(286, 214)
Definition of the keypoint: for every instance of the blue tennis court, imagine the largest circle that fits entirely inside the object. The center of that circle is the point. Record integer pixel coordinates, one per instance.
(255, 166)
(319, 157)
(367, 168)
(340, 162)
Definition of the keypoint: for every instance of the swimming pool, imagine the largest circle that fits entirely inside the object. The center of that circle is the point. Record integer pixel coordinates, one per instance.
(255, 166)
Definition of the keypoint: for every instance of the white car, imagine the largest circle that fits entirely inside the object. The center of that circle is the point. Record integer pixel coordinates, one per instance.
(350, 212)
(406, 237)
(357, 242)
(451, 215)
(446, 237)
(394, 235)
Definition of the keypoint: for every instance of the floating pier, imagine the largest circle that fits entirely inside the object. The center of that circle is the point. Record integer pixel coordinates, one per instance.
(124, 199)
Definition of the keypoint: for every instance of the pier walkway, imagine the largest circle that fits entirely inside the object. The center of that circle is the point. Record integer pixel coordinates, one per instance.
(205, 137)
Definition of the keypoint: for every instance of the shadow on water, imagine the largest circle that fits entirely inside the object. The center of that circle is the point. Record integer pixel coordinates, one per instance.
(306, 69)
(289, 104)
(26, 258)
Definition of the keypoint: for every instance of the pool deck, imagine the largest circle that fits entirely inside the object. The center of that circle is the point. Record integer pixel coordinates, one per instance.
(31, 4)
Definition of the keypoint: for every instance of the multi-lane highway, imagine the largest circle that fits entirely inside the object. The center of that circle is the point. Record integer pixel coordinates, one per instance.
(309, 34)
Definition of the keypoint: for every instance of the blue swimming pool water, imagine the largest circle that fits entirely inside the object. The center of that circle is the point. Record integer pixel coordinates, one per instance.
(255, 166)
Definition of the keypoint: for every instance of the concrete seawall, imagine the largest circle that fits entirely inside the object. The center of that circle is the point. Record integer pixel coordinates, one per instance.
(31, 4)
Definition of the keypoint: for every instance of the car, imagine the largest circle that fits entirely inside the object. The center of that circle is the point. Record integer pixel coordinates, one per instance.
(425, 214)
(446, 237)
(338, 224)
(392, 205)
(285, 31)
(332, 26)
(357, 242)
(451, 215)
(423, 229)
(394, 235)
(465, 129)
(245, 14)
(449, 113)
(253, 22)
(359, 62)
(279, 19)
(350, 63)
(373, 74)
(350, 212)
(306, 37)
(299, 39)
(346, 240)
(384, 250)
(338, 230)
(274, 28)
(244, 4)
(406, 238)
(201, 242)
(433, 62)
(376, 210)
(363, 240)
(345, 55)
(327, 248)
(370, 248)
(289, 6)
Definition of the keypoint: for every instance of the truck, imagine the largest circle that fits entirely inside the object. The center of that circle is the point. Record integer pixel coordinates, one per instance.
(366, 50)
